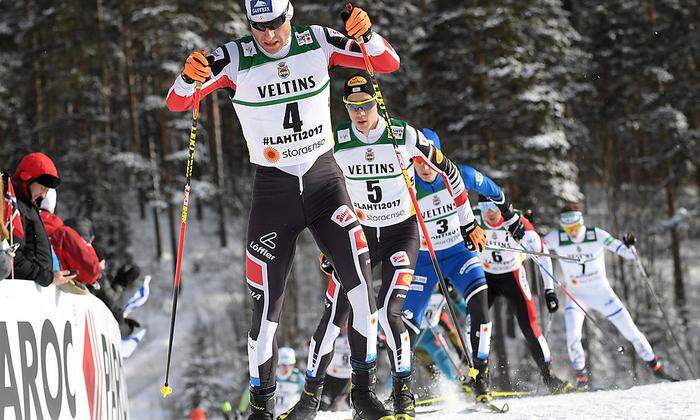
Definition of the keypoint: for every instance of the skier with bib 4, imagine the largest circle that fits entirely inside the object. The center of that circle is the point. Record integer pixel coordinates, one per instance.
(278, 81)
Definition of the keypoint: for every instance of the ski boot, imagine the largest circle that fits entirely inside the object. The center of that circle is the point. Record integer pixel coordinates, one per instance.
(659, 372)
(404, 401)
(309, 402)
(553, 383)
(365, 404)
(583, 380)
(262, 404)
(480, 385)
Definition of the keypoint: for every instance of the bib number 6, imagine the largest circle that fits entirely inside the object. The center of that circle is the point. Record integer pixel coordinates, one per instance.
(291, 117)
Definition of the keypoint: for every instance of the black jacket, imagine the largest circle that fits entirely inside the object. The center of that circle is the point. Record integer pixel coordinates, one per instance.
(33, 260)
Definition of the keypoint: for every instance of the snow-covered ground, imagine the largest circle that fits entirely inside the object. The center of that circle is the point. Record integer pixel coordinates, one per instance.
(669, 401)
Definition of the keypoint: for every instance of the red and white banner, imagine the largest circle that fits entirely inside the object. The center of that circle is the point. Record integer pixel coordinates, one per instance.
(59, 356)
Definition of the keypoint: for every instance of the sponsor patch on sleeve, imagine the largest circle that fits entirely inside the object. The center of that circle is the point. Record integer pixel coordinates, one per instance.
(608, 241)
(478, 177)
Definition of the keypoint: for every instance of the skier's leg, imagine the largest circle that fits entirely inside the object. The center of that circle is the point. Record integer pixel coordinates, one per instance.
(340, 236)
(467, 276)
(271, 242)
(613, 308)
(418, 296)
(523, 304)
(335, 315)
(397, 249)
(573, 320)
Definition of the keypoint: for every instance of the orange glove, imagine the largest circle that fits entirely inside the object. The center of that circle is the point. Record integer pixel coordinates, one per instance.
(358, 24)
(474, 237)
(196, 68)
(325, 264)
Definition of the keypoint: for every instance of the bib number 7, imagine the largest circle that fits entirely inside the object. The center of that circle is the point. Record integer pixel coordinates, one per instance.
(291, 117)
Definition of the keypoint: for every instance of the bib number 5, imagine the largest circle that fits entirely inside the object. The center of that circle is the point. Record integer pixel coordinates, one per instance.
(291, 117)
(374, 192)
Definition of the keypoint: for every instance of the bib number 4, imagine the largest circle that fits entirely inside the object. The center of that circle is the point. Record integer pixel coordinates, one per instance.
(291, 117)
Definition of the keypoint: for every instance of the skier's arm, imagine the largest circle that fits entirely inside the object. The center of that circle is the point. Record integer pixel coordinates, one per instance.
(342, 51)
(424, 150)
(613, 244)
(532, 242)
(224, 70)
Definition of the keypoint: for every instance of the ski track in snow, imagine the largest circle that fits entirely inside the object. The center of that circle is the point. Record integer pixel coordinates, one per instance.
(671, 401)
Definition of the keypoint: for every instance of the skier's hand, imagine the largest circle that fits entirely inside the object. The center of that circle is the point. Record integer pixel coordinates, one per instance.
(474, 237)
(325, 264)
(515, 227)
(552, 301)
(62, 277)
(629, 240)
(196, 68)
(357, 23)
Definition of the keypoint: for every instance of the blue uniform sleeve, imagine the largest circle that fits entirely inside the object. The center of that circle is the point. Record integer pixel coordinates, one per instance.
(476, 181)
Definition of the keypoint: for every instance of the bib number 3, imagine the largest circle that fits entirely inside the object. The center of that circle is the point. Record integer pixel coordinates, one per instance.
(291, 117)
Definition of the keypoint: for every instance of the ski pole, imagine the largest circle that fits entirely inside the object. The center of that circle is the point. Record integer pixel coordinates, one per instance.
(647, 280)
(166, 389)
(539, 254)
(385, 115)
(619, 349)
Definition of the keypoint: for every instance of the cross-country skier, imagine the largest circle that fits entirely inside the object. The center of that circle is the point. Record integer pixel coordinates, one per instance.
(279, 84)
(589, 285)
(382, 202)
(458, 263)
(507, 276)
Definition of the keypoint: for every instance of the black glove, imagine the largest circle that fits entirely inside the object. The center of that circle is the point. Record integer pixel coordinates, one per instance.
(552, 301)
(474, 237)
(629, 240)
(126, 275)
(325, 264)
(515, 226)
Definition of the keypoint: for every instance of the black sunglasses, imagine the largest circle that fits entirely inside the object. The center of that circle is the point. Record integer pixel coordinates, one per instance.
(271, 24)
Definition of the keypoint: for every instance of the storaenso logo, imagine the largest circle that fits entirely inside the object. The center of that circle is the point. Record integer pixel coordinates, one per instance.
(260, 6)
(40, 370)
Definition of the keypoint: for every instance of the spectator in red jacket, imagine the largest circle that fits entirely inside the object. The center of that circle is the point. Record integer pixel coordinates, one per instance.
(33, 177)
(74, 253)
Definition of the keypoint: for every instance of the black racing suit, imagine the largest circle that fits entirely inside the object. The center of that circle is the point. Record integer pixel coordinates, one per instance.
(282, 207)
(395, 247)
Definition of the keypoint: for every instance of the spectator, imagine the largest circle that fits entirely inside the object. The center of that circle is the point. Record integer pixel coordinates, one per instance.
(74, 251)
(35, 174)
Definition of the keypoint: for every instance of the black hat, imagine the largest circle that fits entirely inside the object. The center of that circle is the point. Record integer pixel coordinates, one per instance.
(358, 82)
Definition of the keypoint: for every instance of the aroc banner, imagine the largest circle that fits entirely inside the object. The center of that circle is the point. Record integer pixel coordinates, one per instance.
(59, 356)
